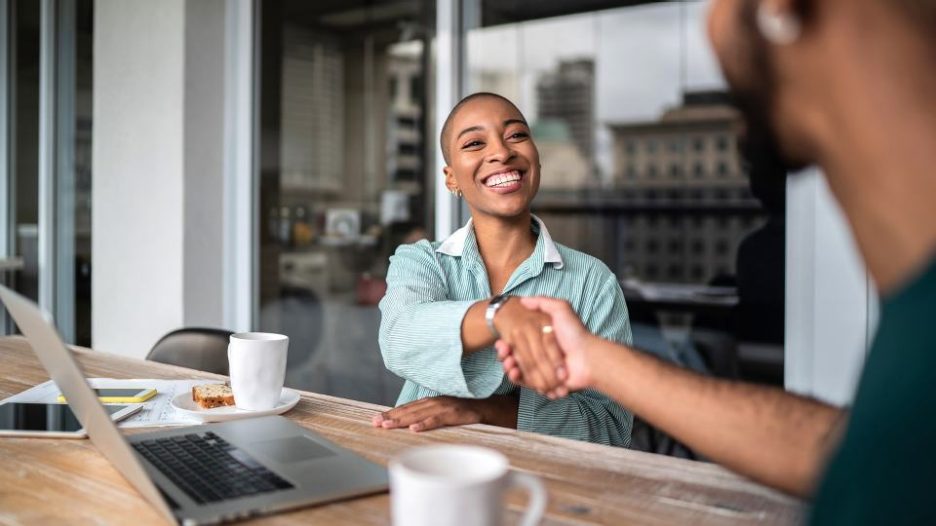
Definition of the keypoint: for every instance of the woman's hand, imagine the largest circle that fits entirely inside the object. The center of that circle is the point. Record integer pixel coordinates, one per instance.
(572, 338)
(443, 411)
(528, 332)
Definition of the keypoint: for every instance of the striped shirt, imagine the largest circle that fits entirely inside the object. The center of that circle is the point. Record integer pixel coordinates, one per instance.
(430, 287)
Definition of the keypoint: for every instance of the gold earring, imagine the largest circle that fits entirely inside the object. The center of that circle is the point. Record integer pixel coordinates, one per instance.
(779, 28)
(456, 192)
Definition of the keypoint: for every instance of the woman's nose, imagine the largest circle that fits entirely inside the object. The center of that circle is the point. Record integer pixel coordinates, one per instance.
(500, 151)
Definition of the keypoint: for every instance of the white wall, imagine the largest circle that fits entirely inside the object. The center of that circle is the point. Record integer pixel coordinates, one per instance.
(204, 161)
(830, 302)
(156, 221)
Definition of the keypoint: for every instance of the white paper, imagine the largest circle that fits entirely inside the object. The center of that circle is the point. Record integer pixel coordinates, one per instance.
(157, 411)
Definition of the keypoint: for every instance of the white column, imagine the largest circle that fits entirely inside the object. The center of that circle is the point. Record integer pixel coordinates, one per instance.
(159, 170)
(203, 168)
(448, 80)
(240, 157)
(830, 302)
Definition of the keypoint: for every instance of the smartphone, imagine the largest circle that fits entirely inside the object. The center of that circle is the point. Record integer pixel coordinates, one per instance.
(50, 420)
(123, 395)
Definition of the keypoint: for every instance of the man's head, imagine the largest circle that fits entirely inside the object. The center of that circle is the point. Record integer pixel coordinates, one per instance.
(786, 62)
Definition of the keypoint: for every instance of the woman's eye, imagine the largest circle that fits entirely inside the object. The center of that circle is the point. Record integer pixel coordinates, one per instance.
(519, 135)
(472, 144)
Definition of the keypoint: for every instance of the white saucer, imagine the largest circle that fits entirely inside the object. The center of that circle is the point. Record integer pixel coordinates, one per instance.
(184, 404)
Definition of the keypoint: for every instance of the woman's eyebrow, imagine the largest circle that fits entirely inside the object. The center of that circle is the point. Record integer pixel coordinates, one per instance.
(470, 129)
(507, 122)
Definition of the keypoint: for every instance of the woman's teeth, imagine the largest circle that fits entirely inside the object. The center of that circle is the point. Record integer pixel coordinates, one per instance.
(502, 179)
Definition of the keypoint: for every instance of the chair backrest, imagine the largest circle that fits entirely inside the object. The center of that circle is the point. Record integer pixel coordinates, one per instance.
(194, 347)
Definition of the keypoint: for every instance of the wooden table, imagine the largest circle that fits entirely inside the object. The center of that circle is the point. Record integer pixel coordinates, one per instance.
(50, 481)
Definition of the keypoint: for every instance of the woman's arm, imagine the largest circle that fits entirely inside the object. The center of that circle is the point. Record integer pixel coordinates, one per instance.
(421, 328)
(429, 339)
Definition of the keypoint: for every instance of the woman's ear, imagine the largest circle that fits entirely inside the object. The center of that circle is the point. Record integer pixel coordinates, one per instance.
(450, 182)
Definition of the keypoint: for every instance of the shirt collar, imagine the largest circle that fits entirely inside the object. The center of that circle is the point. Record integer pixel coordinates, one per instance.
(454, 245)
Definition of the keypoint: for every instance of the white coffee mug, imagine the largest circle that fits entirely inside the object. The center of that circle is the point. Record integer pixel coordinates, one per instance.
(257, 364)
(457, 486)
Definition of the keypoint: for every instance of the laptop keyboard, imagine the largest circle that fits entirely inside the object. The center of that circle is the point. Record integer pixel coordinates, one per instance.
(208, 468)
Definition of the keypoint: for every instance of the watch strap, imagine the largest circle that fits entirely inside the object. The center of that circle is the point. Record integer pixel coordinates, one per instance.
(493, 306)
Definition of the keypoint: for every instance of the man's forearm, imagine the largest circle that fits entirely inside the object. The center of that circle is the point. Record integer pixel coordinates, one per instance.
(772, 436)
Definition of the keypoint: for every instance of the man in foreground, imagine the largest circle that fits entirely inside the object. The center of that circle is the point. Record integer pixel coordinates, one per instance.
(847, 84)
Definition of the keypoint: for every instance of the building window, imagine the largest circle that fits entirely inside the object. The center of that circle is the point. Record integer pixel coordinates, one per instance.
(651, 145)
(723, 169)
(698, 144)
(722, 143)
(651, 271)
(721, 247)
(698, 170)
(674, 271)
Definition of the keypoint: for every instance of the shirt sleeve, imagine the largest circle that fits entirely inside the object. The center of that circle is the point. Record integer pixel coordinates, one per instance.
(420, 329)
(586, 415)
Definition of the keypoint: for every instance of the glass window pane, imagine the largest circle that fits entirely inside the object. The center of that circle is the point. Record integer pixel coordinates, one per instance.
(641, 151)
(343, 181)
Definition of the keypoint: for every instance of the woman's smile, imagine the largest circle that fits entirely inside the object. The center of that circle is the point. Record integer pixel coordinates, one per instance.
(504, 181)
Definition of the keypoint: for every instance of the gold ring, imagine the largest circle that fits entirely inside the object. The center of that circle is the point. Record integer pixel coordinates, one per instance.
(547, 329)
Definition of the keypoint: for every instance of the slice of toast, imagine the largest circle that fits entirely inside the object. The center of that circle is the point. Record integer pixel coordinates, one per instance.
(212, 395)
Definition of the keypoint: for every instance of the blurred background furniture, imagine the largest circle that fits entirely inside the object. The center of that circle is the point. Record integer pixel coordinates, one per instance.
(199, 348)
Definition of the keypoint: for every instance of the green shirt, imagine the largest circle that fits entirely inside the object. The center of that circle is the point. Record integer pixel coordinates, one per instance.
(885, 469)
(430, 287)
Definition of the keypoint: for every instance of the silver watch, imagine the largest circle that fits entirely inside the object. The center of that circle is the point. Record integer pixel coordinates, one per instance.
(496, 303)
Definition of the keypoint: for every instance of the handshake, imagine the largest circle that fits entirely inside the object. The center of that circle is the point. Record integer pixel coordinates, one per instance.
(544, 346)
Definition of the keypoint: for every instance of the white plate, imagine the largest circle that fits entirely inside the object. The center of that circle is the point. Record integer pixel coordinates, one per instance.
(184, 404)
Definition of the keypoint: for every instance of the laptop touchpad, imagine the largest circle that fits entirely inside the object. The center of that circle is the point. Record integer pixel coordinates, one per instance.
(292, 449)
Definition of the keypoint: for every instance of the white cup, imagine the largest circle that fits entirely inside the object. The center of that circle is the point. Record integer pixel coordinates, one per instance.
(457, 486)
(257, 363)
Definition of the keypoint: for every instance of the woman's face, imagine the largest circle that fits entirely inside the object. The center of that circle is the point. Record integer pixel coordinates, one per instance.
(493, 160)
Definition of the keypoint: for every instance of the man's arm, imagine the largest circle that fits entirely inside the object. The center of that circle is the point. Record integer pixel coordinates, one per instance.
(770, 435)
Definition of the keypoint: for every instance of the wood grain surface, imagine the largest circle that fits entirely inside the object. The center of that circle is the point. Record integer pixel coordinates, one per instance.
(61, 481)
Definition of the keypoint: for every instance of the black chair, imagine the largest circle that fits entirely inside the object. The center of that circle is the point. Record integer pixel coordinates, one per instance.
(194, 347)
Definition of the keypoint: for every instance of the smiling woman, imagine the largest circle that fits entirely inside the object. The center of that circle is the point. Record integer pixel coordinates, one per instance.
(440, 320)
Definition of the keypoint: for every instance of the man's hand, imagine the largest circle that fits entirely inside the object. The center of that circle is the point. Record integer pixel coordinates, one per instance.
(568, 333)
(534, 350)
(442, 411)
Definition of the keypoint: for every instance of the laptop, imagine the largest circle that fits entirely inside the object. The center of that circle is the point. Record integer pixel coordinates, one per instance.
(207, 473)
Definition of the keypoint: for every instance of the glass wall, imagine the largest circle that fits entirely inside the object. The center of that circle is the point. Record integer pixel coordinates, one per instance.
(71, 155)
(343, 167)
(644, 167)
(643, 157)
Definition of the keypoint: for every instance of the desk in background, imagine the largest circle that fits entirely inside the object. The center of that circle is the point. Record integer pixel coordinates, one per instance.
(68, 481)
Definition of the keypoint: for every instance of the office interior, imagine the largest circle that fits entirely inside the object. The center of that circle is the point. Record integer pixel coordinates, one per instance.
(252, 165)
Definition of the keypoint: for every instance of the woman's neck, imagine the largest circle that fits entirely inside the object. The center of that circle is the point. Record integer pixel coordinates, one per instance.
(503, 244)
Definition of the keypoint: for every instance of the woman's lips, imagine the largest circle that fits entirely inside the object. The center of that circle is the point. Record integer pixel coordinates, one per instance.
(504, 182)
